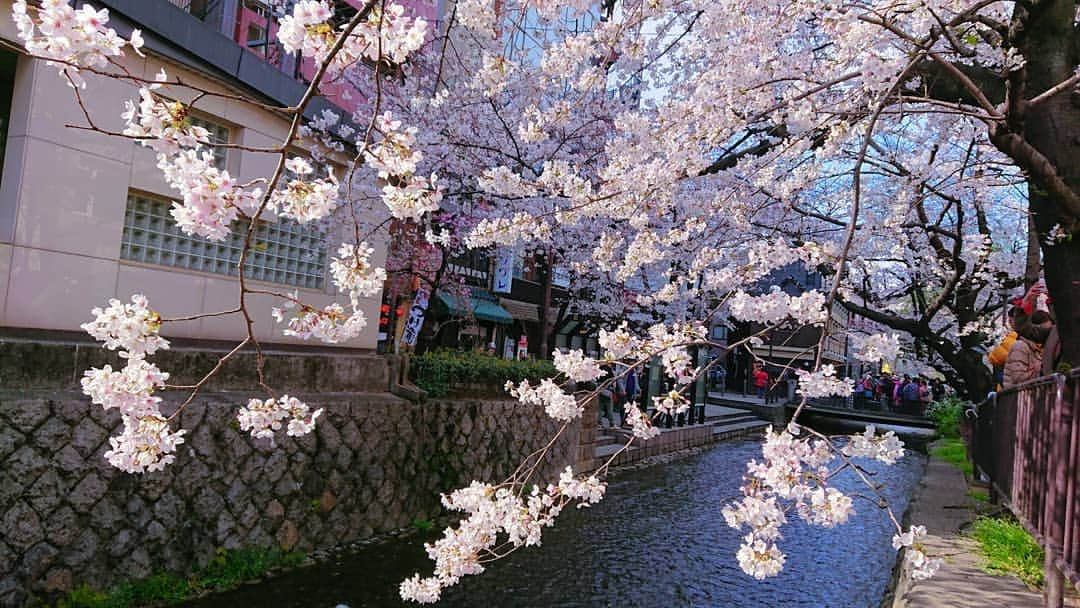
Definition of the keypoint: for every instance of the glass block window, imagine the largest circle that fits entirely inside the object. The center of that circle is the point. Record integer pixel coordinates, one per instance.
(219, 134)
(284, 252)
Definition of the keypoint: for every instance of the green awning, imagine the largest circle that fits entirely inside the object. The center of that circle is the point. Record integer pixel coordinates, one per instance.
(484, 307)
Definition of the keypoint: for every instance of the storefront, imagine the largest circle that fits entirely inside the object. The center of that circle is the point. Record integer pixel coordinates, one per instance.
(477, 321)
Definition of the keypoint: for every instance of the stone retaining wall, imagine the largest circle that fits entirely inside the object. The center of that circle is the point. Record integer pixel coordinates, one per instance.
(670, 440)
(374, 464)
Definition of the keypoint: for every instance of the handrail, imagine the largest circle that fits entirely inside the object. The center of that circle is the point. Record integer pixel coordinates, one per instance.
(1026, 441)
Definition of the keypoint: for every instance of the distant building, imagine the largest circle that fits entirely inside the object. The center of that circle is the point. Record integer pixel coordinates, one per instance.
(788, 345)
(84, 217)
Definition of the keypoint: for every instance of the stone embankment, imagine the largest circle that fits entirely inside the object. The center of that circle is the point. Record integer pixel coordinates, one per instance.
(375, 463)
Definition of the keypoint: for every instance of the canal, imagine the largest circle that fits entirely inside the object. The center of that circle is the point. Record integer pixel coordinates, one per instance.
(657, 540)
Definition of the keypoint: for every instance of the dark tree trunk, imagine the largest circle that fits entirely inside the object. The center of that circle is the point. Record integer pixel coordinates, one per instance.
(1033, 261)
(1062, 270)
(1053, 128)
(974, 379)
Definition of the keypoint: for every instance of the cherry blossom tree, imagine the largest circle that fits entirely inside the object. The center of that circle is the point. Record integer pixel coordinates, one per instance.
(682, 150)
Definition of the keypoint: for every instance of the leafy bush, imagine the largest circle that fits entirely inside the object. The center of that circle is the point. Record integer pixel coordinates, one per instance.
(1009, 549)
(947, 415)
(444, 371)
(226, 570)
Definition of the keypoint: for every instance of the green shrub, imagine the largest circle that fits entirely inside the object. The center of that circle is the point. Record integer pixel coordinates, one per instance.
(227, 569)
(441, 372)
(947, 415)
(1009, 549)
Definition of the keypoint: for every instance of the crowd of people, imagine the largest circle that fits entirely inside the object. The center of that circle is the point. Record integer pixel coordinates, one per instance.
(903, 394)
(1031, 348)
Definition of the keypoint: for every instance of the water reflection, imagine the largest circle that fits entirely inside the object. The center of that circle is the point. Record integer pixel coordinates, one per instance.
(657, 540)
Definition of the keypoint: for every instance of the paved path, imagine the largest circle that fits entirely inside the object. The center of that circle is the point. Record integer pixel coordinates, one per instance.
(942, 505)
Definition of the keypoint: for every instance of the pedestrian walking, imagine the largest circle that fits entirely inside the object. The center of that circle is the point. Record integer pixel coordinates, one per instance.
(632, 386)
(885, 390)
(909, 396)
(925, 397)
(898, 388)
(761, 380)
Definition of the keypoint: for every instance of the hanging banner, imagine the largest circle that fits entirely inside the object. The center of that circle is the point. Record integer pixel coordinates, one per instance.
(504, 271)
(416, 318)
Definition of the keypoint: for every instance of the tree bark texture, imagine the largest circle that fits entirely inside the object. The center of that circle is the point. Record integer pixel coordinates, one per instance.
(1048, 42)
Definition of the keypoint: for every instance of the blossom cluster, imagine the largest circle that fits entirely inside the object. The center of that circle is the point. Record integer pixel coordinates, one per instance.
(131, 327)
(775, 306)
(477, 15)
(922, 565)
(521, 227)
(130, 389)
(671, 403)
(877, 347)
(618, 344)
(793, 475)
(147, 442)
(558, 404)
(71, 38)
(304, 199)
(331, 324)
(160, 124)
(353, 272)
(385, 33)
(640, 423)
(212, 199)
(407, 195)
(887, 447)
(823, 383)
(396, 153)
(262, 418)
(413, 197)
(1056, 235)
(495, 514)
(576, 366)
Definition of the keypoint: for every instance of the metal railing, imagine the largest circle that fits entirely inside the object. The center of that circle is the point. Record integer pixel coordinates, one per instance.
(1027, 441)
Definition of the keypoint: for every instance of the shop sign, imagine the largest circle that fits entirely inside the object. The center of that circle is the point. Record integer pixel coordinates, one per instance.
(416, 318)
(504, 271)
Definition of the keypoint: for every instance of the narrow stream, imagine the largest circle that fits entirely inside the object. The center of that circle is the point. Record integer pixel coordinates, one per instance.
(657, 540)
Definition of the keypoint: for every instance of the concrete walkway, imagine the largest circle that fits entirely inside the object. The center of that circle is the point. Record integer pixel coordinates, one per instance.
(942, 505)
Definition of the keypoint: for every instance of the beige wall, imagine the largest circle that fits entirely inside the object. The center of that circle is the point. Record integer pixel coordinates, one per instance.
(62, 202)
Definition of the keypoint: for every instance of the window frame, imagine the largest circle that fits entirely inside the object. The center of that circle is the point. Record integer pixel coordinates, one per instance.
(150, 236)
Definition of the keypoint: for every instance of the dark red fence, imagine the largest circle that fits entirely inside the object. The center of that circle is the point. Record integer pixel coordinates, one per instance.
(1027, 441)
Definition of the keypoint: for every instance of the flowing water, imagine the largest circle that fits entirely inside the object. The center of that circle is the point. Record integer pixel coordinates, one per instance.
(656, 540)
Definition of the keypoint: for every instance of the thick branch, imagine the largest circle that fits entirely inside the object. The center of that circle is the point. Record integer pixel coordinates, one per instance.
(1041, 170)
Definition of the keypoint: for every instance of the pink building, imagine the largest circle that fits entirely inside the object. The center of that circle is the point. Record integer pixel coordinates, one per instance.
(252, 25)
